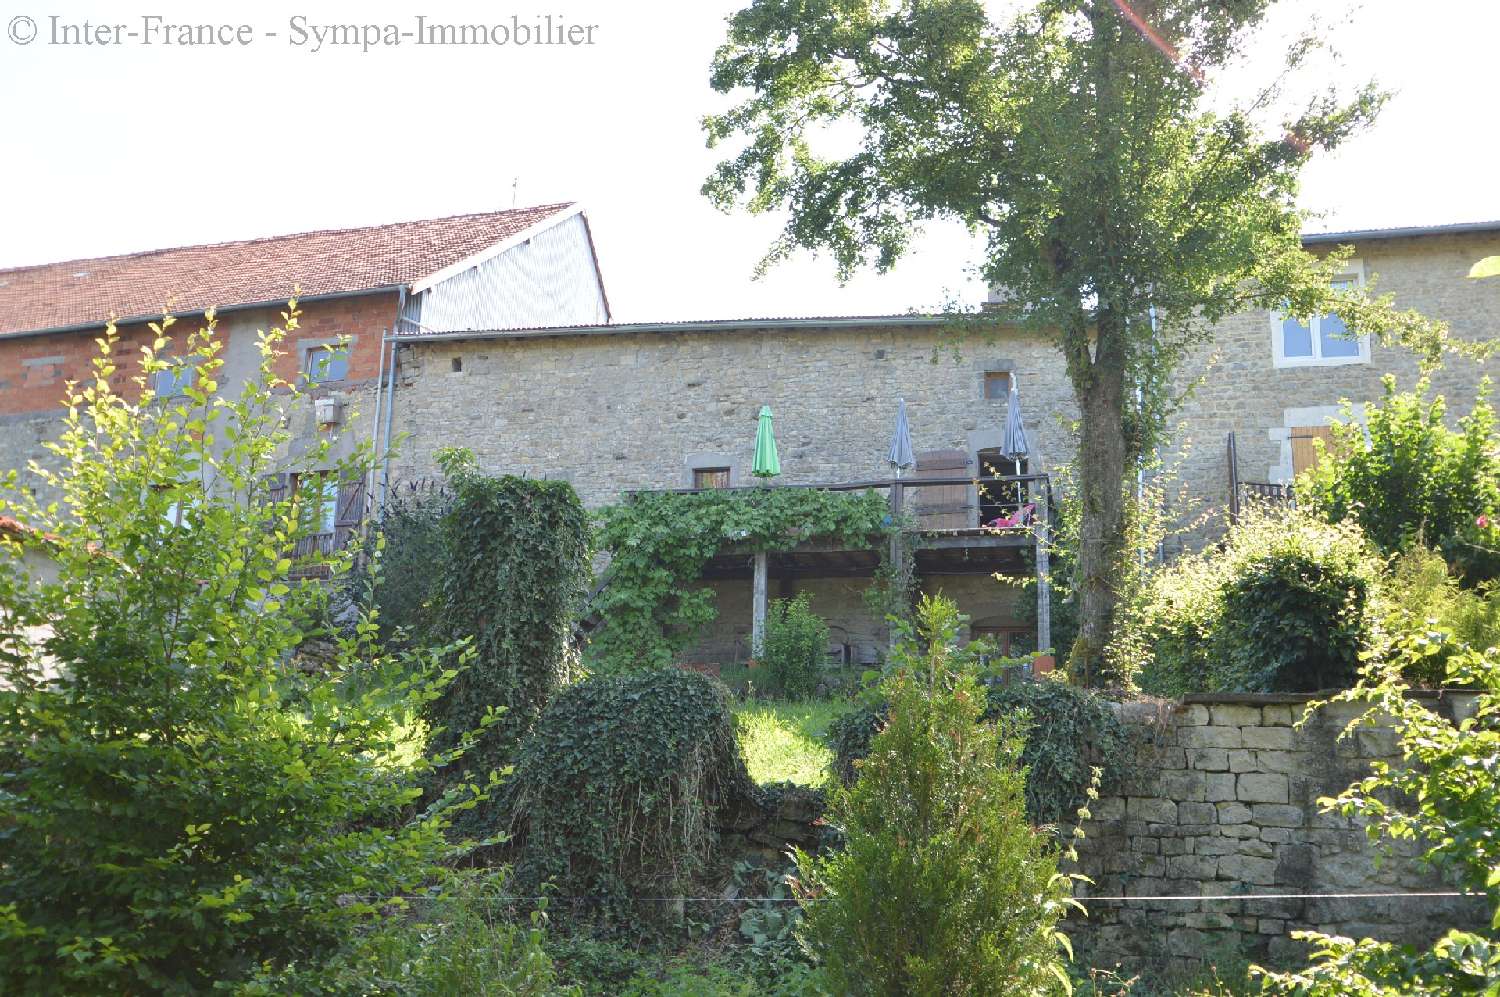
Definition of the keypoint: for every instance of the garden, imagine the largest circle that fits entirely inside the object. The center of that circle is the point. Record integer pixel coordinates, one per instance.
(417, 775)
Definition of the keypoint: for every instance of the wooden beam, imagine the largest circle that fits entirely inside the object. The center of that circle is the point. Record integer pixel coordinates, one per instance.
(1043, 576)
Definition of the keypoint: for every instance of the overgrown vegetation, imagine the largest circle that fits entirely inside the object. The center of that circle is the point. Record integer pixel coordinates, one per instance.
(616, 789)
(513, 571)
(411, 558)
(942, 886)
(1406, 478)
(1283, 605)
(654, 605)
(1419, 593)
(184, 807)
(1068, 735)
(796, 647)
(466, 937)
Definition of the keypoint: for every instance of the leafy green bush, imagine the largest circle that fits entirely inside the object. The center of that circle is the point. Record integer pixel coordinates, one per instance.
(1420, 593)
(942, 886)
(181, 805)
(1067, 733)
(513, 571)
(1281, 606)
(1414, 477)
(617, 787)
(796, 647)
(465, 939)
(653, 607)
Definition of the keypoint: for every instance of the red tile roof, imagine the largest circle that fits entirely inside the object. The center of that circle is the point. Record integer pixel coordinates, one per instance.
(255, 271)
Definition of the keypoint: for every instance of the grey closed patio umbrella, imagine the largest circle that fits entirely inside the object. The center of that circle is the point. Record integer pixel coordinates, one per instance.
(901, 456)
(1013, 445)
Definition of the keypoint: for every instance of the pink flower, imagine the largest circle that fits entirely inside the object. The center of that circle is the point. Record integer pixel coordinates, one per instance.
(1483, 522)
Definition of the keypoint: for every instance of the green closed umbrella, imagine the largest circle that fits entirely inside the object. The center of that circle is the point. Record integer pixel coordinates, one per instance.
(767, 464)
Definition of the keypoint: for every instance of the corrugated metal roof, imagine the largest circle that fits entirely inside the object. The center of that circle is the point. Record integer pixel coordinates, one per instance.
(694, 325)
(1407, 232)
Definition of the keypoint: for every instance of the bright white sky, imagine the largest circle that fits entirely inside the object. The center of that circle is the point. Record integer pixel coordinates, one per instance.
(130, 148)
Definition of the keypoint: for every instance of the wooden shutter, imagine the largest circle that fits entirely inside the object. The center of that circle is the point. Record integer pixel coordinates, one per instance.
(278, 487)
(942, 507)
(1304, 451)
(349, 510)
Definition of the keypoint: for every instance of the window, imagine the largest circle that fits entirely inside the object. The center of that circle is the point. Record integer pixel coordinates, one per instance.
(710, 477)
(326, 363)
(997, 384)
(172, 382)
(1321, 342)
(318, 493)
(177, 509)
(999, 499)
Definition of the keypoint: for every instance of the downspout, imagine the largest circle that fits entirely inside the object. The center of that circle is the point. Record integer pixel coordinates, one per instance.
(390, 403)
(375, 426)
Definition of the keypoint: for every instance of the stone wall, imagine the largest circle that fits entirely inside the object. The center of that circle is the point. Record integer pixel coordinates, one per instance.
(1223, 802)
(612, 413)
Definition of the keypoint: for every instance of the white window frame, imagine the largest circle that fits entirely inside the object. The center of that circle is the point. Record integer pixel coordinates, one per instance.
(1354, 271)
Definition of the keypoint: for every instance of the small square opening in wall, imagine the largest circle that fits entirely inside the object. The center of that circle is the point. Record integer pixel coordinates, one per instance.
(997, 384)
(458, 365)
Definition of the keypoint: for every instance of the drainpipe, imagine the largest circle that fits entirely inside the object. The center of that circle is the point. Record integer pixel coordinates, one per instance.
(375, 425)
(387, 409)
(390, 404)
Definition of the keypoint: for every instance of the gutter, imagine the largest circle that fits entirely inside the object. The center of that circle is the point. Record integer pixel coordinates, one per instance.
(1412, 232)
(218, 309)
(711, 325)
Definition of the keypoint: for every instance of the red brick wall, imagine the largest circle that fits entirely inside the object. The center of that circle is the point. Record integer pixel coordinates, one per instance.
(38, 387)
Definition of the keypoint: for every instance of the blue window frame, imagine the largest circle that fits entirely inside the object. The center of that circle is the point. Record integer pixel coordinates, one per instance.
(327, 363)
(173, 381)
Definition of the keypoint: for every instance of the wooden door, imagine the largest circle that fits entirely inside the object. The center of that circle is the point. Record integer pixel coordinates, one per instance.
(1304, 450)
(942, 507)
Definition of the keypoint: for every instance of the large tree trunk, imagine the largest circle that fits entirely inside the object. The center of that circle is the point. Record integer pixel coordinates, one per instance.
(1099, 387)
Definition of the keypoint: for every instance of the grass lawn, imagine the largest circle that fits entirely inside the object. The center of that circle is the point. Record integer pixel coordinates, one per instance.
(783, 741)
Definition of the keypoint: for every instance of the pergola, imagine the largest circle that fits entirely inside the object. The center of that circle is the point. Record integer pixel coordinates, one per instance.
(946, 540)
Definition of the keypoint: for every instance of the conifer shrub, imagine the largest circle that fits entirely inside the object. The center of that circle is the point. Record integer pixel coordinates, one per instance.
(942, 886)
(1067, 733)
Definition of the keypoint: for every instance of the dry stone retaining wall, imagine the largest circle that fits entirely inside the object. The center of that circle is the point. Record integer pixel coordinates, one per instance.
(1224, 802)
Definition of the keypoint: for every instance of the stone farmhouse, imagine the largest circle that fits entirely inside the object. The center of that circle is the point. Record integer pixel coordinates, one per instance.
(493, 332)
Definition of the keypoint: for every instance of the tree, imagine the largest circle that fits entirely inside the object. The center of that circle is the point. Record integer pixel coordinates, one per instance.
(182, 803)
(942, 887)
(1128, 204)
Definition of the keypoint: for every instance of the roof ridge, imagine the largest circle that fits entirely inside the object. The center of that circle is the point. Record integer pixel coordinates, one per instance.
(550, 209)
